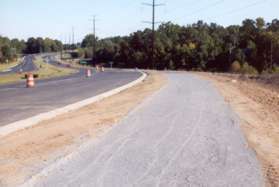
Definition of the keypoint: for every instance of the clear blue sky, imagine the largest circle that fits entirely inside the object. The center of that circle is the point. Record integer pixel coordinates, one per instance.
(55, 18)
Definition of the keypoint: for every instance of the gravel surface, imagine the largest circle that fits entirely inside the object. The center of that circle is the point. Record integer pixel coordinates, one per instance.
(257, 105)
(184, 135)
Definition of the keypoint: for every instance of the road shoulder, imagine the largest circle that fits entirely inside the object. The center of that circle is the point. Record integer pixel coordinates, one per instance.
(26, 152)
(258, 109)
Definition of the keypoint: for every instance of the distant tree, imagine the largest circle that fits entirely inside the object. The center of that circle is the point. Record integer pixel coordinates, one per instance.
(87, 41)
(273, 26)
(40, 45)
(18, 45)
(260, 24)
(200, 46)
(8, 52)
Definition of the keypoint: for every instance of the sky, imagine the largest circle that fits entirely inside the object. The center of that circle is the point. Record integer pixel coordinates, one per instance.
(56, 18)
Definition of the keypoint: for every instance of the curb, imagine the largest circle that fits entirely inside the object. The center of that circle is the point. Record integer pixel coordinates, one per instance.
(30, 122)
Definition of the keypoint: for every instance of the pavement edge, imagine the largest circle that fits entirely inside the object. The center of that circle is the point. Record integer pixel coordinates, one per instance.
(33, 121)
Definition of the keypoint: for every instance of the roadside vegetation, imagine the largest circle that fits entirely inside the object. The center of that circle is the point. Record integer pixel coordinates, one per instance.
(7, 66)
(10, 50)
(252, 47)
(44, 71)
(48, 71)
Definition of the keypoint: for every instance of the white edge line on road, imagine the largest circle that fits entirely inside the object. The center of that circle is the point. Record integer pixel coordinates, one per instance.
(30, 122)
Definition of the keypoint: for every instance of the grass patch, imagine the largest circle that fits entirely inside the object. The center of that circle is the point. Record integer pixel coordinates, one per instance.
(10, 78)
(44, 71)
(48, 71)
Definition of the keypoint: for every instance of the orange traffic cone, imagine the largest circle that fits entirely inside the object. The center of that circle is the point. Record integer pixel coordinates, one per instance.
(30, 81)
(88, 73)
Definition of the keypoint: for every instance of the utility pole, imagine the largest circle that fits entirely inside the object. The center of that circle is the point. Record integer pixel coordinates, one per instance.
(73, 37)
(69, 43)
(153, 22)
(65, 42)
(271, 55)
(93, 38)
(62, 48)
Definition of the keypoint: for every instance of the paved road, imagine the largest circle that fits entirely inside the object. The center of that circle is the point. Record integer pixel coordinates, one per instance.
(52, 59)
(25, 66)
(18, 102)
(185, 135)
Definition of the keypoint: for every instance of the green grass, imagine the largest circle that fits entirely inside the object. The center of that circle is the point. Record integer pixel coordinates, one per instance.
(49, 71)
(44, 71)
(5, 79)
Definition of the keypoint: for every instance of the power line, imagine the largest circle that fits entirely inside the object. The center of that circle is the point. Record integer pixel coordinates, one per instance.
(153, 22)
(245, 7)
(203, 8)
(188, 4)
(240, 9)
(207, 7)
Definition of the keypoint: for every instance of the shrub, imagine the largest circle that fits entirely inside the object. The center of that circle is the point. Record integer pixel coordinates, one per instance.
(80, 53)
(247, 69)
(171, 65)
(235, 67)
(275, 69)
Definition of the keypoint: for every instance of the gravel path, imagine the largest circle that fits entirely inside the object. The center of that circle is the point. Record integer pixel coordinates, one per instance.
(184, 135)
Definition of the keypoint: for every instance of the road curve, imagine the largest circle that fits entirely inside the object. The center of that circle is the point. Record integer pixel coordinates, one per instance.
(184, 135)
(26, 65)
(19, 102)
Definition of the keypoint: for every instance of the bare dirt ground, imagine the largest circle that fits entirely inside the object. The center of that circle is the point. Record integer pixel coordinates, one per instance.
(256, 101)
(24, 152)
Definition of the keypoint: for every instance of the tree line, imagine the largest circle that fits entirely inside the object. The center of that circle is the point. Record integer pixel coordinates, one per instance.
(10, 49)
(252, 47)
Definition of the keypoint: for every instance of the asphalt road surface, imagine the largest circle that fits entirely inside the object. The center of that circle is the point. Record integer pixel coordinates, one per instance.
(25, 66)
(52, 59)
(19, 102)
(184, 135)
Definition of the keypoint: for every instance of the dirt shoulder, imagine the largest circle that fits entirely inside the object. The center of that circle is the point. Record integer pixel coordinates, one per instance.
(26, 152)
(256, 101)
